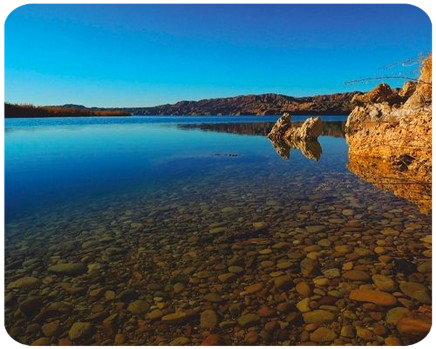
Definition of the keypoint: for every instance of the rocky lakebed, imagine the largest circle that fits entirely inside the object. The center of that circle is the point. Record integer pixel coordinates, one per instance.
(332, 263)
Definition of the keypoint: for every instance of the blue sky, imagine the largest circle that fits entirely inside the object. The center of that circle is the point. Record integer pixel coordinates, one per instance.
(145, 55)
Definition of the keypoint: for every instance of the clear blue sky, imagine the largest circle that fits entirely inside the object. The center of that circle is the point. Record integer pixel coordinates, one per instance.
(144, 55)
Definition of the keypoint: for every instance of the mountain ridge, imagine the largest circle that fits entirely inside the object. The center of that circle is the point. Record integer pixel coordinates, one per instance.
(256, 104)
(252, 104)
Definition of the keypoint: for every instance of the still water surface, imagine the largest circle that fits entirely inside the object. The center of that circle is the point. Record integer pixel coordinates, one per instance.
(190, 230)
(55, 161)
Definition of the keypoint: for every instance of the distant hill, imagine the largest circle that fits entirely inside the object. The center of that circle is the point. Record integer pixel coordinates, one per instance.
(264, 104)
(29, 111)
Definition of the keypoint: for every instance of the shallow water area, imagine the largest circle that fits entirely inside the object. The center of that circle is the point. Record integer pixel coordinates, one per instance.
(190, 230)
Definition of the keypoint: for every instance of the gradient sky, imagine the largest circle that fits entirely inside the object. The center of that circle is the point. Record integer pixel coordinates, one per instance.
(145, 55)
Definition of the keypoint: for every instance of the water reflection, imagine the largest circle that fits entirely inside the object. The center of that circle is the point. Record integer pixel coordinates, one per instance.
(310, 149)
(331, 128)
(143, 232)
(403, 184)
(379, 174)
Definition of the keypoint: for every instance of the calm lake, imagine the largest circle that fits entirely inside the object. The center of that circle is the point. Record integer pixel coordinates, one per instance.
(146, 217)
(66, 161)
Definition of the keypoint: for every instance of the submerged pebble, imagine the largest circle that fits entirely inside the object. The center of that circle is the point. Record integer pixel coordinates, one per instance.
(274, 260)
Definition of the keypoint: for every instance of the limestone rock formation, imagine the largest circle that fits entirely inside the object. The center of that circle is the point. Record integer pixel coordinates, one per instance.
(285, 136)
(394, 137)
(309, 131)
(280, 127)
(407, 90)
(422, 96)
(284, 129)
(380, 94)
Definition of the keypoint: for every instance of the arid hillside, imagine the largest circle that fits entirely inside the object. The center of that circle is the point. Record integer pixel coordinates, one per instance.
(265, 104)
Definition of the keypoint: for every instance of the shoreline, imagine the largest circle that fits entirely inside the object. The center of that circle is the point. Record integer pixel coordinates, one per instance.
(177, 115)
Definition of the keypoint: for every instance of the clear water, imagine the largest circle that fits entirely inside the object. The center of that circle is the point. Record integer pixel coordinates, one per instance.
(172, 210)
(55, 161)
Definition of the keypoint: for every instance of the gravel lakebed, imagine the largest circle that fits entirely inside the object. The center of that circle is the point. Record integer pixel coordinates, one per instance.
(237, 264)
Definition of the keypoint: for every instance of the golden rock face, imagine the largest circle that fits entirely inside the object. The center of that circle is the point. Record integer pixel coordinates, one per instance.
(390, 145)
(285, 136)
(423, 91)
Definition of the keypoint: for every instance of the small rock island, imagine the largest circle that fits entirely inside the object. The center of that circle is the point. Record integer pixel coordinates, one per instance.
(285, 136)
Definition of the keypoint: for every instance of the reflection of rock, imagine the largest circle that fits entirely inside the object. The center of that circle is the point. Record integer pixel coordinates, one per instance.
(310, 149)
(395, 138)
(330, 128)
(285, 136)
(385, 176)
(282, 148)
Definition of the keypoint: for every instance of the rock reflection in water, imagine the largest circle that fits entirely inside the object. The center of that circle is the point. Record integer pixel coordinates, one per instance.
(310, 149)
(401, 183)
(254, 129)
(237, 253)
(330, 128)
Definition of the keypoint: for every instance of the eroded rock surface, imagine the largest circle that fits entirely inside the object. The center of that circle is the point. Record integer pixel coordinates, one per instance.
(390, 135)
(286, 136)
(284, 129)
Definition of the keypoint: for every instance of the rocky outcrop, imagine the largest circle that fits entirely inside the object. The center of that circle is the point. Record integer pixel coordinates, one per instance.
(390, 136)
(381, 94)
(280, 127)
(422, 96)
(309, 131)
(285, 136)
(285, 129)
(408, 89)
